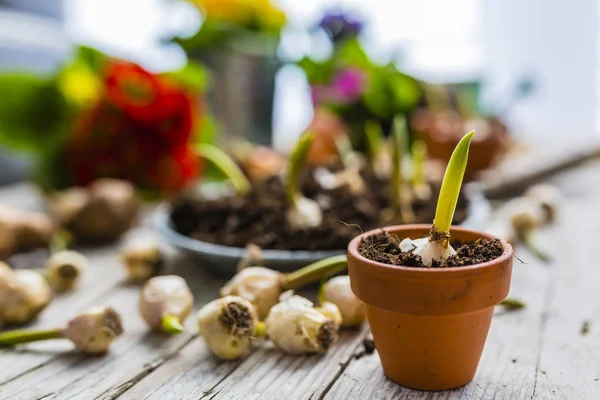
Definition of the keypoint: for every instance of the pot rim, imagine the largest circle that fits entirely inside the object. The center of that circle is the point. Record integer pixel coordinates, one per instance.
(420, 272)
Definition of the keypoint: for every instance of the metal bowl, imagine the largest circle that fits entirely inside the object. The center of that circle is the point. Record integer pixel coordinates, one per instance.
(223, 260)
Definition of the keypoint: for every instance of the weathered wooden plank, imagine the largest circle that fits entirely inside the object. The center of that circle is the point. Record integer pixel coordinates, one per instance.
(268, 374)
(132, 357)
(569, 360)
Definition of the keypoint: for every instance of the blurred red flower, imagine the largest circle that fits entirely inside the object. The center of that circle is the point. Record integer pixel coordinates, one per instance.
(139, 131)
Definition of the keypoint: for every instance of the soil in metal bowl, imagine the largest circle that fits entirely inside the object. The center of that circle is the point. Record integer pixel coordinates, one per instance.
(259, 216)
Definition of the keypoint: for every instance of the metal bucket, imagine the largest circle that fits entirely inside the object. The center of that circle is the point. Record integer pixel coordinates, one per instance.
(242, 92)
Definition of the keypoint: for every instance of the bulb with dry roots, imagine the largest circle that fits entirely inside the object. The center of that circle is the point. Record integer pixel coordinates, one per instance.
(297, 327)
(549, 198)
(64, 269)
(262, 286)
(23, 230)
(228, 326)
(526, 216)
(302, 212)
(435, 249)
(338, 291)
(103, 211)
(23, 295)
(142, 260)
(165, 303)
(91, 332)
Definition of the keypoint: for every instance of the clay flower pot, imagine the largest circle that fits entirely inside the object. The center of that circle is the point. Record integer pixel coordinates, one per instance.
(442, 132)
(429, 324)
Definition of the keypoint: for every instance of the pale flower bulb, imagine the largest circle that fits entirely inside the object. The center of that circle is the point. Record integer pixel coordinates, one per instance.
(331, 311)
(305, 213)
(338, 291)
(64, 269)
(165, 296)
(142, 259)
(23, 295)
(228, 325)
(93, 331)
(549, 198)
(434, 251)
(297, 327)
(260, 286)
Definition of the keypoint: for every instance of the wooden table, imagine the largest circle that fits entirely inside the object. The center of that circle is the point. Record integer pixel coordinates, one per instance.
(539, 352)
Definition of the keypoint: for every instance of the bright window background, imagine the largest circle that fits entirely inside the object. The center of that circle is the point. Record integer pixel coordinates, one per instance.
(556, 40)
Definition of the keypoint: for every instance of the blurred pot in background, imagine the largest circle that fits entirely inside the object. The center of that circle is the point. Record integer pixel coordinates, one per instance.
(238, 41)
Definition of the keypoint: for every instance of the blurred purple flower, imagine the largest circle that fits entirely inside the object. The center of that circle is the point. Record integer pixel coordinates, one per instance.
(340, 26)
(347, 86)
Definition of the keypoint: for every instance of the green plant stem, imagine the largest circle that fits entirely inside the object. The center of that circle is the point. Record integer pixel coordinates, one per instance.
(171, 324)
(60, 241)
(400, 136)
(451, 184)
(296, 163)
(321, 293)
(512, 304)
(419, 156)
(261, 330)
(374, 136)
(344, 148)
(26, 336)
(529, 239)
(226, 165)
(314, 272)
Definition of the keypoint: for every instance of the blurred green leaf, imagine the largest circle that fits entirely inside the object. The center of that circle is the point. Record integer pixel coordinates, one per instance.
(94, 59)
(33, 113)
(351, 53)
(193, 76)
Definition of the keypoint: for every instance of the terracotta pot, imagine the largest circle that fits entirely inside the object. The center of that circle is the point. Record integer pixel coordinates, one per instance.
(441, 133)
(429, 324)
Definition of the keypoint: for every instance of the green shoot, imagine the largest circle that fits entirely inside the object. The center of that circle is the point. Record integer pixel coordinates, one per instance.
(321, 269)
(374, 136)
(344, 148)
(171, 324)
(400, 138)
(512, 304)
(296, 163)
(419, 156)
(226, 165)
(451, 185)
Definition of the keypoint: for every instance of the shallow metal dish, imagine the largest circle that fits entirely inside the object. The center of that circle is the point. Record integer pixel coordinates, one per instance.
(224, 259)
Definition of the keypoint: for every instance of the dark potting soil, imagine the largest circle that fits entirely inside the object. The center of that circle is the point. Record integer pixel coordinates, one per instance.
(259, 216)
(385, 248)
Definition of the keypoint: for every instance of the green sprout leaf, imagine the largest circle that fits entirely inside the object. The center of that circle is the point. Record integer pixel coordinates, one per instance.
(512, 304)
(296, 164)
(374, 136)
(224, 163)
(451, 185)
(400, 140)
(419, 155)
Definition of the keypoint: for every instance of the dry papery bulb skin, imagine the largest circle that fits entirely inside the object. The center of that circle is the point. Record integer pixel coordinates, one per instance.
(228, 326)
(338, 291)
(64, 269)
(23, 230)
(549, 197)
(165, 303)
(261, 286)
(142, 260)
(23, 295)
(296, 327)
(93, 331)
(103, 211)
